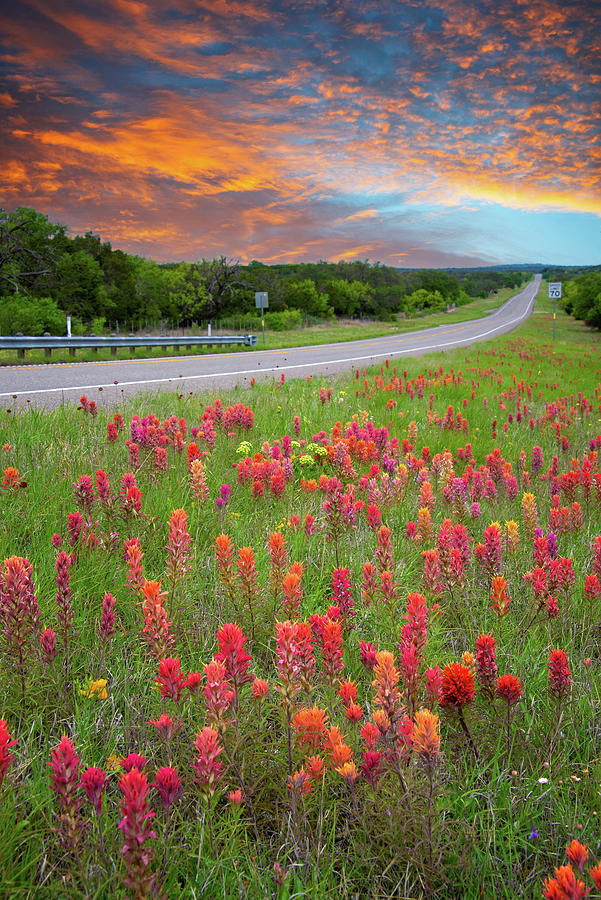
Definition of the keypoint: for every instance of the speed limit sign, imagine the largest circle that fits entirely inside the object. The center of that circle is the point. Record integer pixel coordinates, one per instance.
(555, 290)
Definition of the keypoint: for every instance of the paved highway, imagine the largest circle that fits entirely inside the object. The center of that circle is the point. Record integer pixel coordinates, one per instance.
(54, 385)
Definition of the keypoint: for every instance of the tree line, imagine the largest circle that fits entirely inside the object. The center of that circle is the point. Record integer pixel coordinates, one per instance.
(46, 275)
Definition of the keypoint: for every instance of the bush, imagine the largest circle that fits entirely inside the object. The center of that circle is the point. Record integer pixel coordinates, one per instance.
(32, 316)
(284, 320)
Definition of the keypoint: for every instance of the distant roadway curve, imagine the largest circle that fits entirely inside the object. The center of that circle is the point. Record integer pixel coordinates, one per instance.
(55, 384)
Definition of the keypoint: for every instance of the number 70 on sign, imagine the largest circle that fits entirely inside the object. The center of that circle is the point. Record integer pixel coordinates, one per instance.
(555, 290)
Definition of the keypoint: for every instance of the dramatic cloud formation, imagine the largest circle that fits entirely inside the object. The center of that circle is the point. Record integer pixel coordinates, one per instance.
(416, 133)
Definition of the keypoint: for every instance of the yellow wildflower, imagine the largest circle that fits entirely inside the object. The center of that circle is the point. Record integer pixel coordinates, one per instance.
(96, 689)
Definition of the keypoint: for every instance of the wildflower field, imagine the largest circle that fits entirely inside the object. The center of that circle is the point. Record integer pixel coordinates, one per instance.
(308, 639)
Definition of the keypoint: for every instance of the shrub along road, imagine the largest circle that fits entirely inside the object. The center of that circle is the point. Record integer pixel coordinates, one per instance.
(53, 385)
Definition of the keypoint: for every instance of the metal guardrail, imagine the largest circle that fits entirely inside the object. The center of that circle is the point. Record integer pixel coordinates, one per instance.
(48, 344)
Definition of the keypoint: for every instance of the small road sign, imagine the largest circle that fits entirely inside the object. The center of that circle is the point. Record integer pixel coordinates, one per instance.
(261, 299)
(555, 290)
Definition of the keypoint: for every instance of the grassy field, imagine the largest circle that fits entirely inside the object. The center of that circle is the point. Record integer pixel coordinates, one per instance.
(378, 546)
(343, 330)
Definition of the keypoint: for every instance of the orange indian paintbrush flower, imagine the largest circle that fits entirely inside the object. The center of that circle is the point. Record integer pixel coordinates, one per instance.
(387, 693)
(309, 726)
(565, 886)
(577, 853)
(426, 736)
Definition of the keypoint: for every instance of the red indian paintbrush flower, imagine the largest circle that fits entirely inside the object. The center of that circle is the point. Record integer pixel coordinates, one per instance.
(157, 626)
(170, 679)
(179, 546)
(107, 624)
(368, 654)
(347, 692)
(64, 597)
(560, 676)
(200, 489)
(64, 781)
(315, 767)
(103, 486)
(295, 657)
(486, 661)
(83, 492)
(168, 783)
(6, 742)
(19, 611)
(342, 595)
(135, 572)
(370, 768)
(260, 688)
(165, 725)
(332, 650)
(207, 764)
(337, 750)
(458, 686)
(93, 781)
(493, 553)
(384, 556)
(217, 692)
(233, 653)
(509, 689)
(433, 685)
(133, 761)
(48, 645)
(137, 834)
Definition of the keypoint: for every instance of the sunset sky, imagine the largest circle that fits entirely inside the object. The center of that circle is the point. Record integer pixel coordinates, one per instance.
(415, 133)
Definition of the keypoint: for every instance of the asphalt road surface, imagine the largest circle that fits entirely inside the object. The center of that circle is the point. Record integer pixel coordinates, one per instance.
(54, 385)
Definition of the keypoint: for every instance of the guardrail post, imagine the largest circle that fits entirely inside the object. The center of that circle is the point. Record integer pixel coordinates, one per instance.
(113, 351)
(47, 352)
(71, 351)
(20, 353)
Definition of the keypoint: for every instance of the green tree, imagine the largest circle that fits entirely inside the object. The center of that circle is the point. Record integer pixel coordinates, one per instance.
(222, 278)
(151, 286)
(349, 297)
(187, 292)
(30, 247)
(80, 286)
(422, 300)
(304, 295)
